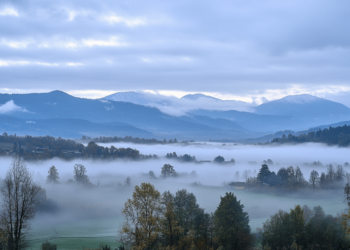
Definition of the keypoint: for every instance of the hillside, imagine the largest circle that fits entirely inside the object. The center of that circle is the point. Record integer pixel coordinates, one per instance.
(333, 136)
(306, 107)
(59, 105)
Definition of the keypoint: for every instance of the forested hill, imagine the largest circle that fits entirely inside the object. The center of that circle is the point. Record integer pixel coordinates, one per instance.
(47, 147)
(332, 136)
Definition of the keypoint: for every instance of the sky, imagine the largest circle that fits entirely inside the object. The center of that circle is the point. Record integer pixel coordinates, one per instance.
(242, 50)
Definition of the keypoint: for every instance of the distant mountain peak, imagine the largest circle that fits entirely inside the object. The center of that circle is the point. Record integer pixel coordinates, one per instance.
(129, 96)
(59, 92)
(304, 98)
(197, 96)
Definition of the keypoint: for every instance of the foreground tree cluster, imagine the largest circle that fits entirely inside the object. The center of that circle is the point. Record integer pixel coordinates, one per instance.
(303, 228)
(175, 221)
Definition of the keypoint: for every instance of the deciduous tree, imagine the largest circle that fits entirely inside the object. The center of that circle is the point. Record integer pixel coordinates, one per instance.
(19, 195)
(314, 178)
(53, 176)
(168, 171)
(143, 216)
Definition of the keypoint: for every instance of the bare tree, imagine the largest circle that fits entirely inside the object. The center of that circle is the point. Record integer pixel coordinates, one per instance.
(340, 173)
(330, 172)
(245, 175)
(53, 176)
(19, 195)
(314, 178)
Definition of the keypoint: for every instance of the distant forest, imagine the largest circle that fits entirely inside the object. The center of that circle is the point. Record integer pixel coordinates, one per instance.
(332, 136)
(46, 147)
(131, 139)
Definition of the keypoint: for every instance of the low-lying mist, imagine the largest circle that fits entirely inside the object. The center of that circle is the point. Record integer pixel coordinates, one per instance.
(76, 203)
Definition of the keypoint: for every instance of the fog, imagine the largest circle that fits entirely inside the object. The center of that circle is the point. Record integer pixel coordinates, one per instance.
(95, 212)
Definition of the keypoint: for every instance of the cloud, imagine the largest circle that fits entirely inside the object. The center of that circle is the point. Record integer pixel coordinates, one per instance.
(180, 106)
(244, 50)
(113, 41)
(127, 21)
(4, 63)
(8, 12)
(9, 107)
(15, 44)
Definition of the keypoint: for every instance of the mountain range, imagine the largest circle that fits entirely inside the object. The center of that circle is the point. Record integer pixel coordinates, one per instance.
(137, 114)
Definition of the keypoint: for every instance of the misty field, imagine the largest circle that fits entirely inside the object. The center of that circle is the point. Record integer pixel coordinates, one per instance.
(88, 217)
(75, 233)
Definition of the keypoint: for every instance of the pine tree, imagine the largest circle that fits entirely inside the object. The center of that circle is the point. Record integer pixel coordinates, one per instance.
(53, 176)
(263, 174)
(232, 228)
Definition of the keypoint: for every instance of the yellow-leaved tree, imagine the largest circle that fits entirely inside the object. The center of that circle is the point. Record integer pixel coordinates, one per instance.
(143, 213)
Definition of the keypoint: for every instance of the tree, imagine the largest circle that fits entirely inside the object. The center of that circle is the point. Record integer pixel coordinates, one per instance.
(283, 176)
(127, 182)
(330, 173)
(232, 228)
(219, 159)
(340, 173)
(80, 174)
(186, 208)
(143, 215)
(53, 176)
(48, 246)
(168, 171)
(263, 174)
(275, 231)
(314, 178)
(297, 225)
(151, 175)
(19, 195)
(299, 177)
(170, 228)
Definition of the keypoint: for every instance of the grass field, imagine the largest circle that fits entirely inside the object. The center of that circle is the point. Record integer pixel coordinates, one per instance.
(72, 234)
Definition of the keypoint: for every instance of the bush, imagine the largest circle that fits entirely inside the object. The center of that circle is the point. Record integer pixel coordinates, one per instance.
(48, 246)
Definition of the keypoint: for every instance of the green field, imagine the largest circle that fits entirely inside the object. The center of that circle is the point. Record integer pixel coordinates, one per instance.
(89, 233)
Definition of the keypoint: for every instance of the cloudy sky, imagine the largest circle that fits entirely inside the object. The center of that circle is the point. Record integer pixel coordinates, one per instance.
(227, 48)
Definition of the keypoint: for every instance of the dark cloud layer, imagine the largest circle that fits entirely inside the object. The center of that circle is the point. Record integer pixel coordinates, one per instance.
(235, 47)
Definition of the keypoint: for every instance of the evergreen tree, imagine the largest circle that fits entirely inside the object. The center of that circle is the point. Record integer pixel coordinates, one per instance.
(232, 228)
(263, 174)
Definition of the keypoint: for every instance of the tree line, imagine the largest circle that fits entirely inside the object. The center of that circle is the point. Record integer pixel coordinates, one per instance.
(332, 136)
(137, 140)
(303, 228)
(292, 178)
(47, 147)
